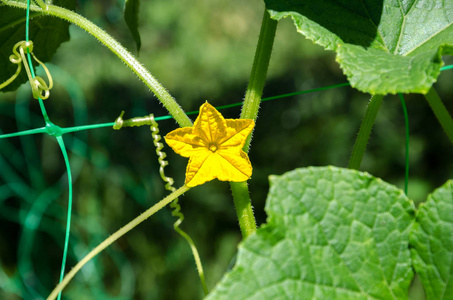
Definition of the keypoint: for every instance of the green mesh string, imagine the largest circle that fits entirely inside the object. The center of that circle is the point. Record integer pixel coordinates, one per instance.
(65, 130)
(37, 198)
(68, 221)
(406, 121)
(446, 67)
(51, 128)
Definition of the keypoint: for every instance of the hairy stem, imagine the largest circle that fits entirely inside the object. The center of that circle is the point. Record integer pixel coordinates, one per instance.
(122, 231)
(250, 108)
(364, 132)
(161, 93)
(244, 208)
(441, 112)
(255, 87)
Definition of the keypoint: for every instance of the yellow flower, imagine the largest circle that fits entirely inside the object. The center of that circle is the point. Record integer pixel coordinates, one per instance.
(214, 145)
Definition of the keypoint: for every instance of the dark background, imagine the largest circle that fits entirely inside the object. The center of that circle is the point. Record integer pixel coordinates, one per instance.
(199, 51)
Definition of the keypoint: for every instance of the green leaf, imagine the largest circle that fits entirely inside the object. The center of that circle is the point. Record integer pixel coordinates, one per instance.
(385, 46)
(332, 233)
(131, 9)
(46, 32)
(432, 242)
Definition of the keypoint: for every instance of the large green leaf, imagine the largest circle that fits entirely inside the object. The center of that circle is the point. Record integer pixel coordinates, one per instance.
(46, 32)
(432, 242)
(331, 234)
(383, 46)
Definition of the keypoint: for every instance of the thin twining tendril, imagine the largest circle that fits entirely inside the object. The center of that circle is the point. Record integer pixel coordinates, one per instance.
(39, 87)
(163, 163)
(161, 155)
(149, 120)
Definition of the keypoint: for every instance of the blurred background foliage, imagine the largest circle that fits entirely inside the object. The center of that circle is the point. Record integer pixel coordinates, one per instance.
(199, 50)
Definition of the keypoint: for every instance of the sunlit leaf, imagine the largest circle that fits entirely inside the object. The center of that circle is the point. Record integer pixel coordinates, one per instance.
(331, 234)
(432, 242)
(385, 46)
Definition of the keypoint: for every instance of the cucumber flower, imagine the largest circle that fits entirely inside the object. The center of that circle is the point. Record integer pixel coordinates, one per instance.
(214, 145)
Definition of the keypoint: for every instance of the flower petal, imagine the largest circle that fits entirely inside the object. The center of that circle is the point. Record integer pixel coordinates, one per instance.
(234, 167)
(237, 132)
(210, 124)
(200, 169)
(222, 165)
(185, 142)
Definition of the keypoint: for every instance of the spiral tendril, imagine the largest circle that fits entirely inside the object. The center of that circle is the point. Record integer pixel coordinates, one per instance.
(161, 155)
(40, 89)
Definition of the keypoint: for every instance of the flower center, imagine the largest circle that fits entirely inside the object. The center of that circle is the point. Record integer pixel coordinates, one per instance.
(213, 147)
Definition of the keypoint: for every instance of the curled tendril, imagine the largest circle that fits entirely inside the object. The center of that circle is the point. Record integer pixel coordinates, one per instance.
(138, 121)
(119, 121)
(161, 155)
(40, 89)
(175, 204)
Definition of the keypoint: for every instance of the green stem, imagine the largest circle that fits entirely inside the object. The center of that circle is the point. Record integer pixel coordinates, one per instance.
(244, 208)
(441, 112)
(122, 231)
(259, 71)
(161, 93)
(250, 108)
(364, 132)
